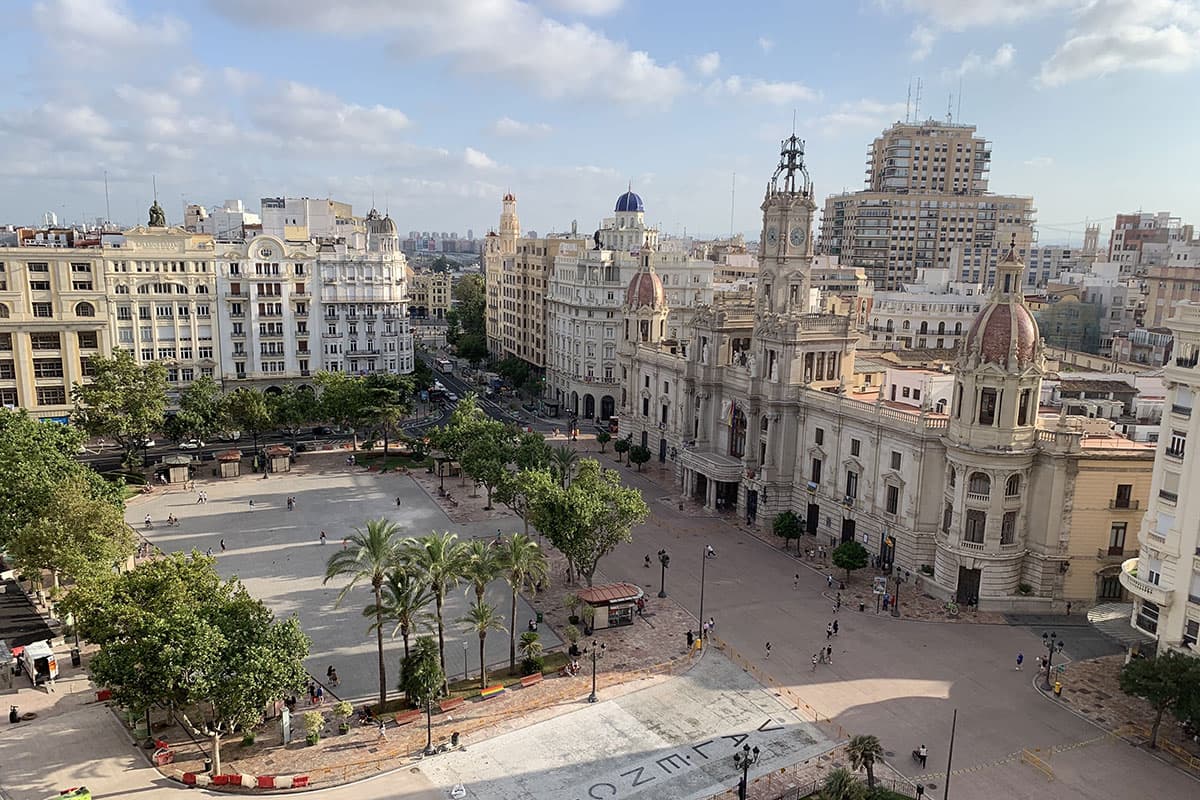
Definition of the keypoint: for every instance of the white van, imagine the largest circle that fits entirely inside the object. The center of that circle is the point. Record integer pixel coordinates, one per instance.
(39, 662)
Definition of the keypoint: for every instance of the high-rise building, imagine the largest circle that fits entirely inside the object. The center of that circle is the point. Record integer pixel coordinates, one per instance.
(1164, 578)
(926, 205)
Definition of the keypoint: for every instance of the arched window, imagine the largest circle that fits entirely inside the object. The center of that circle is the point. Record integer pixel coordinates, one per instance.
(764, 425)
(891, 326)
(3, 310)
(979, 483)
(941, 328)
(957, 328)
(737, 434)
(85, 310)
(924, 327)
(1013, 487)
(953, 477)
(905, 325)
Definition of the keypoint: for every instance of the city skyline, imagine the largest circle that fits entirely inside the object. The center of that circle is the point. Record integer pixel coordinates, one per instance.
(566, 102)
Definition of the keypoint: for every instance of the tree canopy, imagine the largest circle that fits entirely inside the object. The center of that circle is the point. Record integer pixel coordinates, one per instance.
(467, 327)
(250, 412)
(1169, 682)
(850, 556)
(786, 526)
(203, 409)
(124, 401)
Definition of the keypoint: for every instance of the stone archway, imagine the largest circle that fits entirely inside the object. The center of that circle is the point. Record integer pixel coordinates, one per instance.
(589, 406)
(574, 404)
(607, 406)
(275, 390)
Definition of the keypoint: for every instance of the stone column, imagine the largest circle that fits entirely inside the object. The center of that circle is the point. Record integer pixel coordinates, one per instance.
(710, 499)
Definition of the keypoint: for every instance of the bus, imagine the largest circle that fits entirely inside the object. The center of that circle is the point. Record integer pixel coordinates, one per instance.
(443, 364)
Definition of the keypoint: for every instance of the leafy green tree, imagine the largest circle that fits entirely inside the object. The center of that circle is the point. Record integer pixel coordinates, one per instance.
(35, 458)
(515, 370)
(622, 446)
(524, 567)
(563, 459)
(786, 526)
(850, 556)
(370, 555)
(531, 451)
(124, 401)
(456, 435)
(603, 438)
(389, 401)
(203, 409)
(588, 518)
(77, 536)
(531, 645)
(481, 618)
(441, 560)
(840, 784)
(864, 750)
(482, 565)
(1170, 681)
(173, 635)
(343, 400)
(293, 409)
(422, 679)
(250, 412)
(639, 455)
(406, 598)
(488, 451)
(517, 488)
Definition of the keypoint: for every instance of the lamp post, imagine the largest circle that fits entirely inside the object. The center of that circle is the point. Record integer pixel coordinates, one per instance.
(703, 564)
(1053, 645)
(597, 652)
(665, 560)
(429, 748)
(465, 646)
(901, 577)
(744, 760)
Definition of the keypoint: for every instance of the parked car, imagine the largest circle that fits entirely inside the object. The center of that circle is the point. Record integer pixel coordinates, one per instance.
(148, 442)
(452, 397)
(322, 430)
(191, 444)
(530, 407)
(229, 436)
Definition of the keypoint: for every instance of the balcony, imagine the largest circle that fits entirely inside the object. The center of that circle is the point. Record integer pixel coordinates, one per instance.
(237, 334)
(977, 547)
(237, 294)
(1170, 497)
(979, 497)
(1143, 588)
(1120, 505)
(1183, 411)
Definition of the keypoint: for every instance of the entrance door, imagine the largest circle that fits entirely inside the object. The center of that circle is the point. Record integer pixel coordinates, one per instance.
(751, 505)
(847, 530)
(968, 585)
(589, 406)
(1109, 589)
(813, 519)
(645, 439)
(662, 450)
(606, 406)
(700, 493)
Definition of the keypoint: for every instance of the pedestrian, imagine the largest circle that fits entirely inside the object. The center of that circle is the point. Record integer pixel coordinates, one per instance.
(382, 729)
(1020, 659)
(647, 561)
(829, 631)
(704, 629)
(829, 580)
(838, 603)
(814, 662)
(1068, 608)
(641, 606)
(768, 650)
(332, 676)
(796, 581)
(922, 754)
(709, 552)
(199, 498)
(291, 504)
(209, 553)
(397, 501)
(712, 624)
(222, 545)
(312, 693)
(835, 627)
(691, 638)
(323, 537)
(320, 695)
(345, 543)
(251, 503)
(829, 654)
(532, 625)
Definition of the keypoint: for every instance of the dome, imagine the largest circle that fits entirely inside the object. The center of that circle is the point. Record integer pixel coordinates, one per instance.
(509, 197)
(1003, 328)
(645, 290)
(629, 202)
(380, 226)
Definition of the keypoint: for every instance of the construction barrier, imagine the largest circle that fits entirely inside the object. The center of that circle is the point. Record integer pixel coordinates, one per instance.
(1031, 758)
(246, 781)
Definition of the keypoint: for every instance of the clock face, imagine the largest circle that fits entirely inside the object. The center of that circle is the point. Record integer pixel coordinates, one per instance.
(797, 237)
(772, 235)
(265, 252)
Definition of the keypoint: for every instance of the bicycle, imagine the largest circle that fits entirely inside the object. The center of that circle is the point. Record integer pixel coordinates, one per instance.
(951, 608)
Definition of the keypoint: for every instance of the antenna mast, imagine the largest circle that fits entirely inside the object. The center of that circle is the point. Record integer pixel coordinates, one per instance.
(917, 104)
(908, 103)
(107, 207)
(958, 112)
(732, 198)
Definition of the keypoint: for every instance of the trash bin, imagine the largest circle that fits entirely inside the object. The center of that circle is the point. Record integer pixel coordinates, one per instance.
(1058, 688)
(862, 606)
(539, 617)
(76, 659)
(208, 765)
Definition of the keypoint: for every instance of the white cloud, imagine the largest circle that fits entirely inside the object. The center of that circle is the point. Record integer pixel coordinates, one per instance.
(957, 15)
(507, 126)
(1039, 161)
(776, 92)
(922, 39)
(148, 102)
(478, 159)
(1155, 35)
(87, 29)
(861, 114)
(306, 115)
(592, 8)
(708, 63)
(1001, 60)
(503, 39)
(765, 44)
(240, 81)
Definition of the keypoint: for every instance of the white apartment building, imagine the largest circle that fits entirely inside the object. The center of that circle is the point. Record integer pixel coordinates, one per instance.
(1164, 578)
(303, 219)
(230, 222)
(935, 313)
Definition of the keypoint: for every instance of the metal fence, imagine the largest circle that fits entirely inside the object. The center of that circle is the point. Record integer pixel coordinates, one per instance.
(798, 792)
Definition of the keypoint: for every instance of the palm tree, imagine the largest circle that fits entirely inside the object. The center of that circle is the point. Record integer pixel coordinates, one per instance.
(531, 644)
(524, 567)
(483, 565)
(368, 556)
(863, 750)
(439, 559)
(481, 618)
(405, 598)
(563, 459)
(840, 784)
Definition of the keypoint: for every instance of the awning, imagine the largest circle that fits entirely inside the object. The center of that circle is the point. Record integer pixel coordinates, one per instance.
(1113, 620)
(714, 466)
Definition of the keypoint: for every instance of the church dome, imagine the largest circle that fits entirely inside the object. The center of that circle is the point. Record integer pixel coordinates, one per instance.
(380, 226)
(509, 197)
(629, 202)
(1002, 329)
(645, 291)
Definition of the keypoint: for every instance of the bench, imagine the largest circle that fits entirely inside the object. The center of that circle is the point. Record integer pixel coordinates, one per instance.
(405, 717)
(531, 680)
(450, 704)
(491, 691)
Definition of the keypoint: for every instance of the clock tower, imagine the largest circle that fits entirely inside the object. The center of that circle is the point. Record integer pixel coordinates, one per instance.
(786, 250)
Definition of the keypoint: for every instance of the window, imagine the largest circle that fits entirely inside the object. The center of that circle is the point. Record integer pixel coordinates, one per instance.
(1008, 528)
(820, 436)
(815, 472)
(39, 286)
(663, 416)
(85, 310)
(851, 483)
(896, 460)
(1012, 487)
(38, 266)
(8, 397)
(987, 406)
(43, 310)
(1191, 632)
(51, 396)
(6, 342)
(1023, 408)
(975, 526)
(893, 499)
(1116, 539)
(1147, 616)
(947, 518)
(737, 434)
(855, 447)
(87, 367)
(979, 483)
(44, 341)
(645, 406)
(8, 370)
(1178, 444)
(47, 368)
(1124, 497)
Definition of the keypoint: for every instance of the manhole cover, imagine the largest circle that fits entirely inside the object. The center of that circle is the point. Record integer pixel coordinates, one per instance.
(931, 785)
(889, 753)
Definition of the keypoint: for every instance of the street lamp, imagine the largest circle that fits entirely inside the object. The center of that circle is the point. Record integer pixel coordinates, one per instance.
(665, 560)
(901, 576)
(430, 750)
(465, 646)
(597, 652)
(744, 760)
(703, 564)
(1053, 645)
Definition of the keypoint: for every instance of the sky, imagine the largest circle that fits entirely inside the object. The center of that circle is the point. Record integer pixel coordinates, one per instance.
(433, 110)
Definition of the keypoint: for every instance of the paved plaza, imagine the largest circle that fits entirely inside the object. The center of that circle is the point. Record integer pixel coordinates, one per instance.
(278, 555)
(676, 740)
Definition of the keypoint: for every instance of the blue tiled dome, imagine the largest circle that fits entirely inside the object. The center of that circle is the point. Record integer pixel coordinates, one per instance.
(629, 202)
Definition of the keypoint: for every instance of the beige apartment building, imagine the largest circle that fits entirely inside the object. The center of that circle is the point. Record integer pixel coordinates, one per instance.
(430, 294)
(1168, 285)
(926, 205)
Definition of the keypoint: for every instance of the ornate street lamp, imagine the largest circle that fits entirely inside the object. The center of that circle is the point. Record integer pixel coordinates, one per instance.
(744, 760)
(597, 652)
(665, 560)
(1053, 645)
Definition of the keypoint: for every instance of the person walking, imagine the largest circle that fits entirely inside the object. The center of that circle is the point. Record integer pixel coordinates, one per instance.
(829, 631)
(837, 605)
(323, 537)
(768, 650)
(199, 498)
(332, 676)
(835, 627)
(829, 655)
(382, 729)
(312, 693)
(814, 662)
(829, 580)
(251, 503)
(222, 545)
(796, 581)
(397, 501)
(1020, 660)
(712, 624)
(291, 503)
(922, 755)
(320, 698)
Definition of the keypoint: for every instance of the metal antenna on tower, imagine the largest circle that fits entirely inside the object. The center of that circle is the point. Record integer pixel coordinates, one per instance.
(949, 105)
(107, 207)
(958, 111)
(917, 103)
(733, 197)
(908, 103)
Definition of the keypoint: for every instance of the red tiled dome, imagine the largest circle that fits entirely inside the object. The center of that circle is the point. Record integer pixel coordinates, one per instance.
(995, 330)
(509, 196)
(646, 289)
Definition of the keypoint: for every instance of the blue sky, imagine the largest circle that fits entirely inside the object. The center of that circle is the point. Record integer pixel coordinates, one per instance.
(435, 108)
